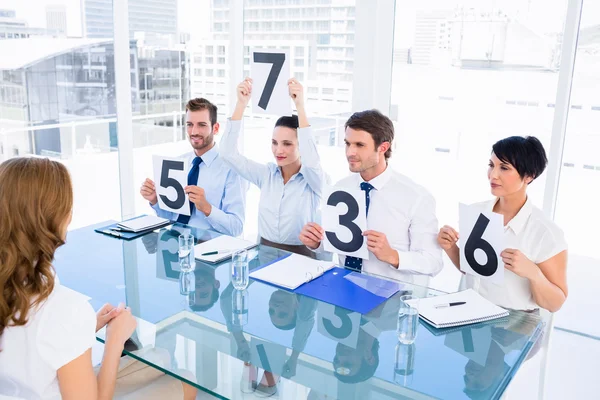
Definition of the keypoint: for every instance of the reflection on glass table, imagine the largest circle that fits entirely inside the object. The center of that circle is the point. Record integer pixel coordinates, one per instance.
(198, 328)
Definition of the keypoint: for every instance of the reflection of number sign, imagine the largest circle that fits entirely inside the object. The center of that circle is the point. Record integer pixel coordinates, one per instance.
(268, 356)
(170, 178)
(480, 253)
(344, 220)
(270, 71)
(338, 324)
(167, 254)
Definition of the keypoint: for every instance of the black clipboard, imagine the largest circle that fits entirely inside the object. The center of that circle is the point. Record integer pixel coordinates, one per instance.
(114, 231)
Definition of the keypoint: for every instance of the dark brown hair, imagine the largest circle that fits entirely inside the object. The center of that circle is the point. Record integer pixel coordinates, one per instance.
(199, 104)
(36, 199)
(378, 125)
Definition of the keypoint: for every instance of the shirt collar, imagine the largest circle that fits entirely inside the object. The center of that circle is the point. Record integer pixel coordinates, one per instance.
(209, 156)
(517, 224)
(380, 180)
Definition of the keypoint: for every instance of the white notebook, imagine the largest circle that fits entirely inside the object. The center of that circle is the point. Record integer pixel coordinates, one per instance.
(144, 223)
(292, 271)
(477, 309)
(224, 245)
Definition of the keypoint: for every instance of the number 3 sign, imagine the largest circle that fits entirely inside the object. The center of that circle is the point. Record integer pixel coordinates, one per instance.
(170, 179)
(270, 71)
(344, 221)
(481, 243)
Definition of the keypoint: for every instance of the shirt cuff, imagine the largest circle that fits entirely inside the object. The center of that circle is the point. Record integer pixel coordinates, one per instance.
(234, 126)
(405, 260)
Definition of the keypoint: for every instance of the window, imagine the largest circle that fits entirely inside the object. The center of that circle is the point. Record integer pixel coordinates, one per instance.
(468, 85)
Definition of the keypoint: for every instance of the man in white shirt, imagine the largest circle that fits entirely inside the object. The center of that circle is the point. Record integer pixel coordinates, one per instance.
(217, 194)
(401, 221)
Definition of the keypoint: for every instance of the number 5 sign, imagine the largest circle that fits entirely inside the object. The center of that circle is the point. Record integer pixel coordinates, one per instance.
(344, 221)
(481, 243)
(270, 71)
(170, 179)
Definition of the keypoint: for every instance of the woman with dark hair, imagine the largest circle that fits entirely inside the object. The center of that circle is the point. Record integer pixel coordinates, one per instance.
(536, 255)
(290, 187)
(47, 330)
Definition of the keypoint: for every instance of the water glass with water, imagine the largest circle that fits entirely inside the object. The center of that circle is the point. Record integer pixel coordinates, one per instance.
(408, 319)
(239, 270)
(240, 301)
(186, 252)
(404, 363)
(187, 283)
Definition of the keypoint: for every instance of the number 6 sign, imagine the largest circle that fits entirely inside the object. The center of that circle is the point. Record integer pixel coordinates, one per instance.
(344, 221)
(270, 71)
(482, 242)
(170, 179)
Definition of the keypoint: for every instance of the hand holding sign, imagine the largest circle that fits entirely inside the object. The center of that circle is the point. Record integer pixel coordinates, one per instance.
(517, 262)
(170, 176)
(344, 220)
(270, 70)
(480, 253)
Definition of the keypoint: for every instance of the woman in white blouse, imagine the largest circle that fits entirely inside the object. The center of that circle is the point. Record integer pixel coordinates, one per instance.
(47, 330)
(290, 187)
(536, 255)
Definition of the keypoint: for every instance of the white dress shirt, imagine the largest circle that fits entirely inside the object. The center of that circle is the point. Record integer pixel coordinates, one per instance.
(538, 238)
(405, 213)
(283, 208)
(224, 190)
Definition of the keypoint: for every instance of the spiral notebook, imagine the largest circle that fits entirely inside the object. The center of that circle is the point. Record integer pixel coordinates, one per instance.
(476, 309)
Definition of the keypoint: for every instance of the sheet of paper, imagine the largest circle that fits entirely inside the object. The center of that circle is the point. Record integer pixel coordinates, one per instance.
(482, 241)
(344, 219)
(270, 71)
(379, 287)
(170, 180)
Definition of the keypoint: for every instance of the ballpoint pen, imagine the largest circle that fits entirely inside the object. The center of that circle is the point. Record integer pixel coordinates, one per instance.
(211, 253)
(458, 303)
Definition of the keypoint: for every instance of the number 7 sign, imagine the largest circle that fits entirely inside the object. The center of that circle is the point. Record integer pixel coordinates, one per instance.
(270, 71)
(482, 241)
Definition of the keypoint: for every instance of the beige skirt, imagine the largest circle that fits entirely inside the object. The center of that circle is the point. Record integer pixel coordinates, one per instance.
(136, 380)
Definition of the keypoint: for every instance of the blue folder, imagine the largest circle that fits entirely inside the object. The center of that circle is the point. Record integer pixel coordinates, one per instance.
(334, 288)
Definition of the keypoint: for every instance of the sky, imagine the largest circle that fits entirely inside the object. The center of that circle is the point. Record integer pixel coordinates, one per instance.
(543, 16)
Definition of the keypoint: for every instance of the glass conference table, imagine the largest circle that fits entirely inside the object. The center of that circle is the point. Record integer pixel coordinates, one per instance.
(197, 328)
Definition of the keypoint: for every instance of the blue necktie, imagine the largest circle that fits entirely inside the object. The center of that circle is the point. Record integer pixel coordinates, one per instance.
(355, 262)
(192, 180)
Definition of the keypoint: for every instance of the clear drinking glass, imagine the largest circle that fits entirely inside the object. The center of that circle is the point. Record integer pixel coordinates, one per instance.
(239, 307)
(186, 252)
(239, 270)
(187, 283)
(408, 319)
(404, 363)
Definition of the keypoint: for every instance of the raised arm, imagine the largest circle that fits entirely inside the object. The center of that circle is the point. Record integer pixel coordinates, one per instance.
(250, 170)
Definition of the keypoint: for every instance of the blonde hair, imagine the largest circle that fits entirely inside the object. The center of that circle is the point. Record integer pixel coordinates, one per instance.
(36, 199)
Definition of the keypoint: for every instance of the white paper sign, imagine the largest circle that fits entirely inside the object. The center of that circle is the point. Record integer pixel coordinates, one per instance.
(338, 324)
(268, 356)
(170, 179)
(344, 220)
(270, 71)
(482, 241)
